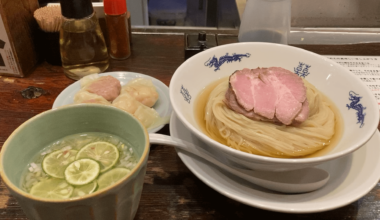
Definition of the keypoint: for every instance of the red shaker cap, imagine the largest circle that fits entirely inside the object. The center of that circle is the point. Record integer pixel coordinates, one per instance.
(115, 7)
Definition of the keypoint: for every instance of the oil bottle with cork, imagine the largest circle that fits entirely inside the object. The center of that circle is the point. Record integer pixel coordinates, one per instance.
(82, 46)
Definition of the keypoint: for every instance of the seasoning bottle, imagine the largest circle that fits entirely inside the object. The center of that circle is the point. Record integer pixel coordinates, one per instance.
(82, 46)
(117, 26)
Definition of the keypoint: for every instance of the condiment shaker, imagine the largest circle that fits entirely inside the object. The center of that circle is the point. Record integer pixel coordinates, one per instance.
(266, 21)
(117, 27)
(82, 46)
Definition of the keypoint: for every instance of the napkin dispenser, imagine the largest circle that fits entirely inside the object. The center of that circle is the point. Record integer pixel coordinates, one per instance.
(19, 51)
(195, 43)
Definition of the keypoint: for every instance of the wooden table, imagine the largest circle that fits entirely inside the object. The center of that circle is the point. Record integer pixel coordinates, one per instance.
(170, 191)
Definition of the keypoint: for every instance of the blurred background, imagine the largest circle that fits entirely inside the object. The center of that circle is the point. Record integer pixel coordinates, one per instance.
(226, 14)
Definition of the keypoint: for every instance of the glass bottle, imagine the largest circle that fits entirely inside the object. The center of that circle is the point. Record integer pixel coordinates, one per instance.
(82, 45)
(117, 27)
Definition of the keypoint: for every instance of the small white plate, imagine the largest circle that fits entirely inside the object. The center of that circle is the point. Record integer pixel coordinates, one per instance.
(162, 106)
(352, 177)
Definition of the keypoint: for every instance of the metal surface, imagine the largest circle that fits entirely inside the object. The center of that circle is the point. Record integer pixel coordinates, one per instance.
(308, 36)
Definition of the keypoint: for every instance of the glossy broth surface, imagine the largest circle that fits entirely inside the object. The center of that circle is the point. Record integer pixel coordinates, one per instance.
(34, 173)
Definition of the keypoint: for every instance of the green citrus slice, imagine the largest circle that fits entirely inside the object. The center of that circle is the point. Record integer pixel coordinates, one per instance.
(52, 189)
(82, 171)
(55, 163)
(111, 177)
(105, 153)
(84, 190)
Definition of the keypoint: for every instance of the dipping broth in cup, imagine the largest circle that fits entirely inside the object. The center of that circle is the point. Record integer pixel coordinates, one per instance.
(77, 162)
(78, 165)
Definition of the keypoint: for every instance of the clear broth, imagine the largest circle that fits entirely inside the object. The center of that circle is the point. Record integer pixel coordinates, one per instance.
(34, 173)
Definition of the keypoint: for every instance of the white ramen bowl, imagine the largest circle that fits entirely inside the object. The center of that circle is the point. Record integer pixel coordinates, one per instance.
(339, 84)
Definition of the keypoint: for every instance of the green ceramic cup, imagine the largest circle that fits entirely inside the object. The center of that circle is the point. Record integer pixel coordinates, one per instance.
(119, 201)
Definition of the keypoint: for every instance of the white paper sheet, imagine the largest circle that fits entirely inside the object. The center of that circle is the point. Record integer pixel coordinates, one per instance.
(366, 68)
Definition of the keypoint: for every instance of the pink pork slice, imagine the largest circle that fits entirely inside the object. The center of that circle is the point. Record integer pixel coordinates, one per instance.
(232, 103)
(106, 86)
(243, 80)
(290, 80)
(304, 113)
(273, 93)
(265, 96)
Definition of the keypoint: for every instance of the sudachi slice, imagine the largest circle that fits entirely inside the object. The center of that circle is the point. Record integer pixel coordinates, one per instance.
(55, 163)
(85, 189)
(52, 189)
(105, 153)
(82, 171)
(111, 177)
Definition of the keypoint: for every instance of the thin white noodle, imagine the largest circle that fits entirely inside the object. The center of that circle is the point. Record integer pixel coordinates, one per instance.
(268, 139)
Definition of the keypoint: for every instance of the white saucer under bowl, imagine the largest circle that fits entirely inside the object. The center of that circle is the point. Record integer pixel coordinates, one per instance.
(162, 106)
(352, 177)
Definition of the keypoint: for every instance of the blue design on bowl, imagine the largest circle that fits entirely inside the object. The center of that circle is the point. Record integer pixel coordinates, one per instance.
(214, 62)
(185, 93)
(302, 70)
(355, 99)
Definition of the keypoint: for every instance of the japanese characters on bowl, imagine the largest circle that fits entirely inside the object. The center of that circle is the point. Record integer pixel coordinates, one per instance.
(263, 86)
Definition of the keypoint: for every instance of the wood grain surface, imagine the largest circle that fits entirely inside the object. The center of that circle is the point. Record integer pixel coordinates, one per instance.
(23, 33)
(170, 190)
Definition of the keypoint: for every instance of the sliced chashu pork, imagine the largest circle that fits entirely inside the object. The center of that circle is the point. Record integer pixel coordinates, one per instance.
(268, 94)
